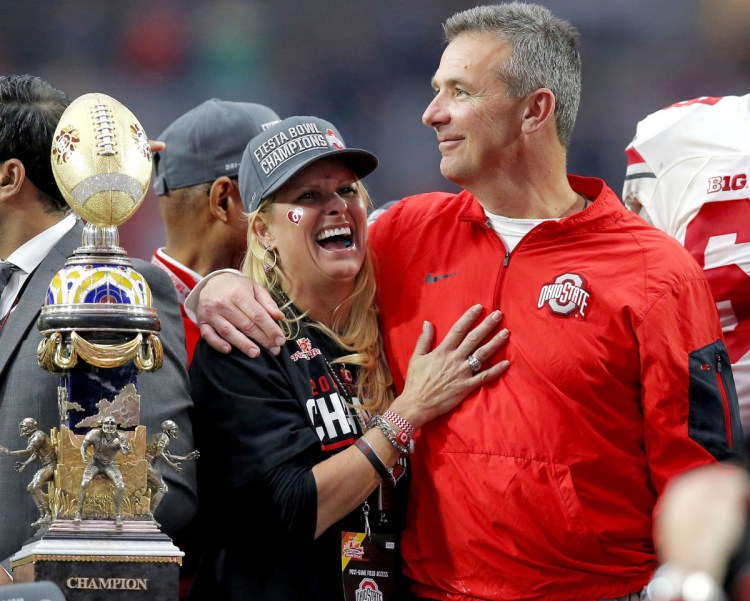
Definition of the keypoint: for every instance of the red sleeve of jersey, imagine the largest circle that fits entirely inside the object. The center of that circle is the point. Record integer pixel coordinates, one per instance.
(691, 416)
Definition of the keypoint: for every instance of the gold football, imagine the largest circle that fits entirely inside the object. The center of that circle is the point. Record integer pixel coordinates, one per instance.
(101, 159)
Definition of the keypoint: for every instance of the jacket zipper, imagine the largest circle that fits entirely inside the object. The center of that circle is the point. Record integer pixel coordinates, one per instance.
(724, 400)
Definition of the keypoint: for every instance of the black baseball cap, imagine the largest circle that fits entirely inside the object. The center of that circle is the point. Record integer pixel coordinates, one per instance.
(207, 142)
(279, 152)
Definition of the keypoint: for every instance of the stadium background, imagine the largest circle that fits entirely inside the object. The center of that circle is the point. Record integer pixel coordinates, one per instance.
(366, 66)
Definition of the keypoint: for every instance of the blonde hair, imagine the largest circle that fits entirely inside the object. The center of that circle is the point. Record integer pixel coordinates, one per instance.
(359, 335)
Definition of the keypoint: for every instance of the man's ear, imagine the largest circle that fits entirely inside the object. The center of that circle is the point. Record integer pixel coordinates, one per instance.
(220, 198)
(540, 108)
(12, 177)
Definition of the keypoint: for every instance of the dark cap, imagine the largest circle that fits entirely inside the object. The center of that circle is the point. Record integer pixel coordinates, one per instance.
(207, 142)
(281, 151)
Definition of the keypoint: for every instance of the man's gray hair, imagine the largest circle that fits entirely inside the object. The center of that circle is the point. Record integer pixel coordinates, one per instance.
(544, 53)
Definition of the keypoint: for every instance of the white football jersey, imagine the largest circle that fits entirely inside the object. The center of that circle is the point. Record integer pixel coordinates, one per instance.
(687, 173)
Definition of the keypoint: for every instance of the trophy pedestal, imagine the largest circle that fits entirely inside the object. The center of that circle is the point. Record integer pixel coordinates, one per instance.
(94, 560)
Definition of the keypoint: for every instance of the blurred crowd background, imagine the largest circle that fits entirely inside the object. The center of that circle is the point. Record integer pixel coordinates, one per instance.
(365, 65)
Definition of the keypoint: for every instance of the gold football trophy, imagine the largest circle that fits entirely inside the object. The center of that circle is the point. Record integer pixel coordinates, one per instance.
(100, 331)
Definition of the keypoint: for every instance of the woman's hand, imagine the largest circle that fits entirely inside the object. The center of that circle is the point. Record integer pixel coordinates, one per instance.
(438, 380)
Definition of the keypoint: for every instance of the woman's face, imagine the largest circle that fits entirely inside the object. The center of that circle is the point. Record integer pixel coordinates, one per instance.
(318, 226)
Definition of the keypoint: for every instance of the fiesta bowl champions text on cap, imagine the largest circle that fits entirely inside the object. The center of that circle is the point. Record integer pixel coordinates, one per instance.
(282, 150)
(207, 142)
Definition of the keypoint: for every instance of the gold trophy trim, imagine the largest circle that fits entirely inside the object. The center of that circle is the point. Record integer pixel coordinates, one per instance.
(54, 355)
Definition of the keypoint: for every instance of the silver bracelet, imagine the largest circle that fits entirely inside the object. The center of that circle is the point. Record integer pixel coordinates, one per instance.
(391, 433)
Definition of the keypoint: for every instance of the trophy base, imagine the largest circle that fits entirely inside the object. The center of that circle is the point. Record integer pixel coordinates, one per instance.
(95, 560)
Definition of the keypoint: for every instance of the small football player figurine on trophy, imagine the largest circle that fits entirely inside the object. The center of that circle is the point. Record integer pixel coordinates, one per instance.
(40, 448)
(106, 441)
(158, 448)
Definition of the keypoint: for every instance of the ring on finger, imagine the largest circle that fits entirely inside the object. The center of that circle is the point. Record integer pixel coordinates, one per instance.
(475, 365)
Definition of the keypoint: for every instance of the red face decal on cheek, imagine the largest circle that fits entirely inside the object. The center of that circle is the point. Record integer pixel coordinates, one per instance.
(295, 215)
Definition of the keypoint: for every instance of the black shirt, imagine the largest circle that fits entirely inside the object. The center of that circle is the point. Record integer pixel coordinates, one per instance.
(261, 425)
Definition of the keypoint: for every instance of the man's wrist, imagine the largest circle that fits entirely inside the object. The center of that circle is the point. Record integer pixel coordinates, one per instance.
(191, 302)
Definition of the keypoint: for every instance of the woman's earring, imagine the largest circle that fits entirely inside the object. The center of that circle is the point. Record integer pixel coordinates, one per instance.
(269, 258)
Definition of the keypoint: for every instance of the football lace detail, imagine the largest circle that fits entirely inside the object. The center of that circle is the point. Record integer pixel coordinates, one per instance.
(105, 127)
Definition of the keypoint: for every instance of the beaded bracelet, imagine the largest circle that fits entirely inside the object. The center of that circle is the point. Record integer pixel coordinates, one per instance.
(384, 472)
(400, 422)
(403, 443)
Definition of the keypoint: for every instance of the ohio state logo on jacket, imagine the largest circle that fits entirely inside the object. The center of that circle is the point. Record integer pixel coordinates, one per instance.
(565, 296)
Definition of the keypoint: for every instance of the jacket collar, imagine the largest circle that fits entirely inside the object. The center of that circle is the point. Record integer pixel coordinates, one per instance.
(601, 196)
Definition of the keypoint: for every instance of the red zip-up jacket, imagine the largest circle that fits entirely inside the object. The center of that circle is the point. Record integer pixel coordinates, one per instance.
(541, 485)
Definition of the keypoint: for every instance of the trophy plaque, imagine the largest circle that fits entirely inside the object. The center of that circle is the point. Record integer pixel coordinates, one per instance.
(97, 536)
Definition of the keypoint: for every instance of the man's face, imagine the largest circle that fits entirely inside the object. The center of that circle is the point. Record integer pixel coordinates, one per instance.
(475, 121)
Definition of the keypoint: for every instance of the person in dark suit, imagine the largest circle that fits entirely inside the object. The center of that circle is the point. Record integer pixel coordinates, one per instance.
(37, 234)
